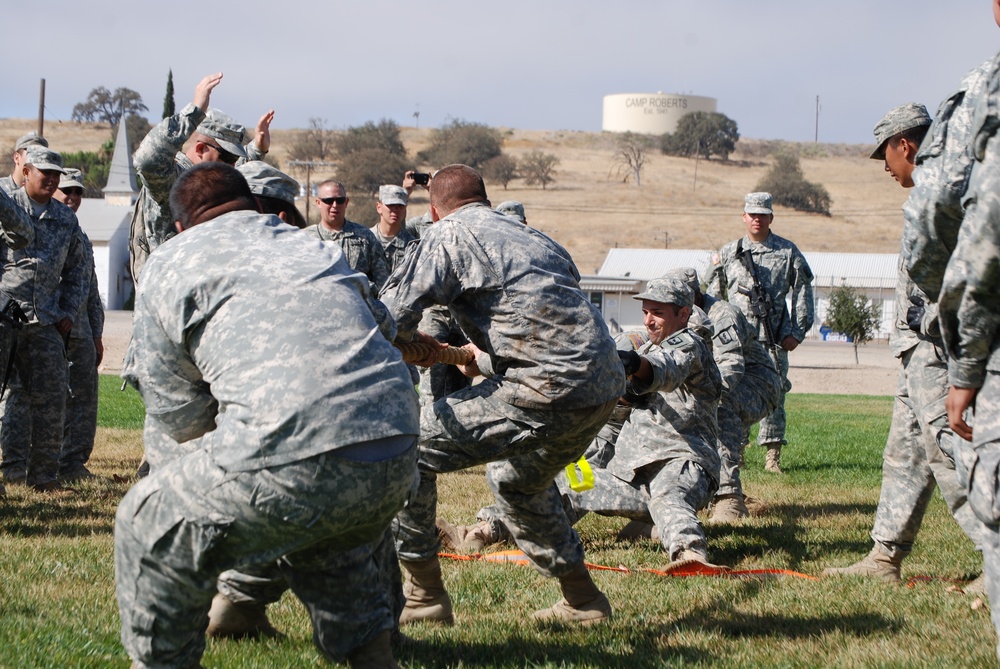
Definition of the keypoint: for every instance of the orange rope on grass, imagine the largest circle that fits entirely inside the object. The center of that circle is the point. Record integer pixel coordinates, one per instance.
(685, 568)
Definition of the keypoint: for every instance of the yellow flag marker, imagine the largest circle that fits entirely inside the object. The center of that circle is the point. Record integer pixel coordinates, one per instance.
(580, 475)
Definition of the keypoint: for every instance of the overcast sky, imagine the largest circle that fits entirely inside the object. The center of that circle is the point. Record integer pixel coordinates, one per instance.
(530, 64)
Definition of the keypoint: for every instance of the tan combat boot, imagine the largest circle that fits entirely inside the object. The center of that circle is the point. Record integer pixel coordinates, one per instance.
(582, 601)
(728, 509)
(376, 654)
(426, 598)
(977, 586)
(465, 538)
(637, 529)
(238, 619)
(875, 565)
(772, 461)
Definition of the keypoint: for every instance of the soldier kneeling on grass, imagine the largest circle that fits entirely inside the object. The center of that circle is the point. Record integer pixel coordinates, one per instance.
(665, 466)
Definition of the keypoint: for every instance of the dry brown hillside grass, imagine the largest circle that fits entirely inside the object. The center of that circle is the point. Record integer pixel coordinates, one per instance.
(590, 210)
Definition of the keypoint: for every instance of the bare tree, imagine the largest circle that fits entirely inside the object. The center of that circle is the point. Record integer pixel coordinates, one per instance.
(630, 157)
(539, 168)
(315, 142)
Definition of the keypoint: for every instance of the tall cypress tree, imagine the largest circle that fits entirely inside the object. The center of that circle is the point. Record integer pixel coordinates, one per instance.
(168, 99)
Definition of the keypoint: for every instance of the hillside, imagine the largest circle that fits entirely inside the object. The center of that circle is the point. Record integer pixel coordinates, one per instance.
(589, 209)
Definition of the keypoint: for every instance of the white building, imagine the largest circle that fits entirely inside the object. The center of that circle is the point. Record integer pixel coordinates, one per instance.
(107, 222)
(626, 271)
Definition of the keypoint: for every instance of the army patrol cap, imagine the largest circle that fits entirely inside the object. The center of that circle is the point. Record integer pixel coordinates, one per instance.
(667, 290)
(389, 194)
(71, 178)
(898, 120)
(685, 275)
(223, 129)
(511, 208)
(43, 158)
(31, 139)
(758, 203)
(267, 181)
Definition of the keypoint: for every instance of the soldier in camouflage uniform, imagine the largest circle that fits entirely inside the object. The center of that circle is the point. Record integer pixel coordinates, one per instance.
(11, 183)
(512, 208)
(84, 351)
(159, 161)
(274, 191)
(666, 463)
(913, 462)
(229, 350)
(390, 230)
(751, 389)
(783, 272)
(50, 280)
(360, 246)
(552, 379)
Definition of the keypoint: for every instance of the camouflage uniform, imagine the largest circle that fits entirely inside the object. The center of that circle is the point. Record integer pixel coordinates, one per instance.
(394, 248)
(361, 248)
(598, 453)
(751, 386)
(229, 349)
(913, 462)
(80, 425)
(553, 377)
(7, 185)
(438, 381)
(970, 322)
(158, 163)
(50, 280)
(783, 272)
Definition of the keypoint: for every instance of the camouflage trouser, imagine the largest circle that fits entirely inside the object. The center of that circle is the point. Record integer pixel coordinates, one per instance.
(526, 450)
(81, 409)
(667, 494)
(265, 583)
(320, 519)
(772, 427)
(746, 404)
(978, 465)
(439, 381)
(31, 427)
(913, 462)
(598, 454)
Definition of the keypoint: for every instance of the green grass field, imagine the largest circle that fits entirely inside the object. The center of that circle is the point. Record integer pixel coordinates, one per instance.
(58, 609)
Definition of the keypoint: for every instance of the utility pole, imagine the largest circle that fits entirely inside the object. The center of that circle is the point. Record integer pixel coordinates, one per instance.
(41, 110)
(816, 138)
(309, 164)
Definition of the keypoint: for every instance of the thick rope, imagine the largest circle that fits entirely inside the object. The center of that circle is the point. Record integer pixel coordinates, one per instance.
(414, 351)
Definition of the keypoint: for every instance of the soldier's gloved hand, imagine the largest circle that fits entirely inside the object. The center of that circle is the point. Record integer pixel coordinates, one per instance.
(631, 360)
(915, 314)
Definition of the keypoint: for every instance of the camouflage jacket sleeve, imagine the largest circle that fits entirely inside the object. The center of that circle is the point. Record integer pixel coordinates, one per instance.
(969, 306)
(95, 309)
(16, 226)
(77, 270)
(933, 211)
(716, 282)
(180, 402)
(156, 167)
(670, 363)
(377, 262)
(801, 290)
(727, 344)
(427, 276)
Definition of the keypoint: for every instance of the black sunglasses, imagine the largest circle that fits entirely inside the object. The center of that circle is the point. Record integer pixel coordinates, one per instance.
(330, 200)
(224, 156)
